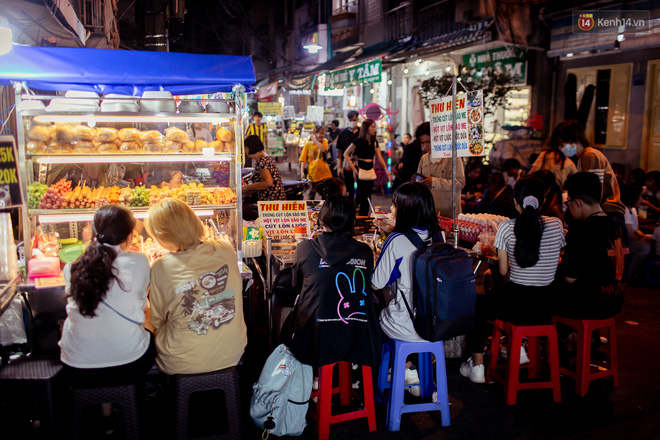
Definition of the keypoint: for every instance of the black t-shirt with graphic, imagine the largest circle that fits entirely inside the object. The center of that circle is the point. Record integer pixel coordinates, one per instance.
(595, 255)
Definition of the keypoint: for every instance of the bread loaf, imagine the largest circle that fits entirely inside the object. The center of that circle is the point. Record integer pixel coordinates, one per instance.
(176, 134)
(105, 134)
(130, 135)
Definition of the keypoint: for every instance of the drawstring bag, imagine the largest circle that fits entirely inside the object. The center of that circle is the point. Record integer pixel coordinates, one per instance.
(280, 397)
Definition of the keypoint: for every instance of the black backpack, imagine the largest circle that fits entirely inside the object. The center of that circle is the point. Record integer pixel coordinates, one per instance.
(444, 290)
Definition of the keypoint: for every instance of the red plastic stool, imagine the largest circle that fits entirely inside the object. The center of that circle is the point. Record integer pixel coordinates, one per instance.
(324, 417)
(511, 379)
(582, 374)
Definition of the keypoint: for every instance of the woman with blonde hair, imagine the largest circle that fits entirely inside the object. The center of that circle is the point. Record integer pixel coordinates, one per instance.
(195, 293)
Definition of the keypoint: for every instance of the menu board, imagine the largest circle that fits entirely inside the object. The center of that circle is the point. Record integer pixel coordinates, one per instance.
(275, 146)
(288, 112)
(270, 108)
(469, 125)
(10, 190)
(279, 218)
(315, 113)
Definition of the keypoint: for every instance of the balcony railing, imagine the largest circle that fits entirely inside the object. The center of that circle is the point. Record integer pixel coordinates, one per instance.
(399, 21)
(437, 19)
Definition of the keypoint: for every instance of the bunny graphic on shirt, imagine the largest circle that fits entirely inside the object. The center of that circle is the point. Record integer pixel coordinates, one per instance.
(352, 295)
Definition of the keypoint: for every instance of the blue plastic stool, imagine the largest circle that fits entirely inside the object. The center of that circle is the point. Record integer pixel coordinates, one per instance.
(400, 350)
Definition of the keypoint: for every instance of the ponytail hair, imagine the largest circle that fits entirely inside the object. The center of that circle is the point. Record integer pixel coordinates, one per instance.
(529, 193)
(92, 273)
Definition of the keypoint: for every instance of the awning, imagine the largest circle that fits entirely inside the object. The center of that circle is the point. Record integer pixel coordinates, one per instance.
(299, 83)
(125, 72)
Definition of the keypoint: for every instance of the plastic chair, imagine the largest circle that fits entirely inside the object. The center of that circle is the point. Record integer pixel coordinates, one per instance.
(187, 384)
(39, 375)
(324, 417)
(511, 378)
(582, 373)
(395, 353)
(124, 395)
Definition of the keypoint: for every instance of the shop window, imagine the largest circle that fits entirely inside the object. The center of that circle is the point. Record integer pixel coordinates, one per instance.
(607, 123)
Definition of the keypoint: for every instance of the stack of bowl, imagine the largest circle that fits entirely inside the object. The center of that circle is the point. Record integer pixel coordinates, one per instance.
(157, 102)
(119, 103)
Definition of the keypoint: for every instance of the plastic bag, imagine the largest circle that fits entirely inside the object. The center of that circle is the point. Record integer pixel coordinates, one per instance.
(115, 174)
(12, 326)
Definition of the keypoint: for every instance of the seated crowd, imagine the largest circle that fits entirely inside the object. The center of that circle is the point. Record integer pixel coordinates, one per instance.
(193, 319)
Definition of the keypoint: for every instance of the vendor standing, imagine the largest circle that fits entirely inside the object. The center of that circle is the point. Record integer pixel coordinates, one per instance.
(313, 155)
(437, 175)
(266, 178)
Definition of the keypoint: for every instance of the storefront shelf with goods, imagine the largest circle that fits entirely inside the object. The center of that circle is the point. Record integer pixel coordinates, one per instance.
(83, 215)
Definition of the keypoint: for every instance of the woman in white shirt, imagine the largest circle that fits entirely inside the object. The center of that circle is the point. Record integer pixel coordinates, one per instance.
(103, 340)
(412, 208)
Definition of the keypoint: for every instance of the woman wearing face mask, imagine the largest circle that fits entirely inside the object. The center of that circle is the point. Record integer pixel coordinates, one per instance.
(555, 161)
(574, 143)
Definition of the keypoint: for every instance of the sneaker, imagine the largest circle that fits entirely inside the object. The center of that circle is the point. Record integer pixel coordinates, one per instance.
(476, 373)
(524, 359)
(411, 377)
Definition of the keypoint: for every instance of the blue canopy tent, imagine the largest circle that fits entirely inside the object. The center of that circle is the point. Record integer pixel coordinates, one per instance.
(125, 72)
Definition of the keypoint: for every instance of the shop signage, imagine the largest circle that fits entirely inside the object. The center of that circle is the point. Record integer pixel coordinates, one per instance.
(325, 90)
(280, 218)
(360, 73)
(10, 191)
(288, 112)
(502, 59)
(315, 113)
(469, 125)
(267, 90)
(275, 146)
(270, 108)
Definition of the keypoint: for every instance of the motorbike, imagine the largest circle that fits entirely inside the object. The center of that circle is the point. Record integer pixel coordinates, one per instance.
(294, 190)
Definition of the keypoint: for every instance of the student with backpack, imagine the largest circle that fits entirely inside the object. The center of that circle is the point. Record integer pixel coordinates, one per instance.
(528, 249)
(413, 209)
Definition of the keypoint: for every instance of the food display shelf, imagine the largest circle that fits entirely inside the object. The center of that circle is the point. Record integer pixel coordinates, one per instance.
(129, 158)
(82, 215)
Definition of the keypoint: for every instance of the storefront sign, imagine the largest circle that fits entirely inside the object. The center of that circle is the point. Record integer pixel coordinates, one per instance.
(469, 125)
(288, 112)
(502, 59)
(275, 146)
(360, 73)
(280, 218)
(270, 108)
(325, 90)
(10, 191)
(315, 113)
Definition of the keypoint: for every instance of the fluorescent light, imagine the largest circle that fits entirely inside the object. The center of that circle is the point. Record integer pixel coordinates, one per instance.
(120, 158)
(568, 55)
(130, 119)
(312, 48)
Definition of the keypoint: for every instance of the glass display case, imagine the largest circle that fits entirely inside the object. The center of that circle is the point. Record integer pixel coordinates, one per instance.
(75, 157)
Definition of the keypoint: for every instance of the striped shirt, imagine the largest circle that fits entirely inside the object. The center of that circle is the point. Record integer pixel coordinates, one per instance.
(260, 130)
(552, 241)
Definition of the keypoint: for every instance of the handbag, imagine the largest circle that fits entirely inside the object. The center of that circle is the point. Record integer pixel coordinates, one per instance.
(366, 174)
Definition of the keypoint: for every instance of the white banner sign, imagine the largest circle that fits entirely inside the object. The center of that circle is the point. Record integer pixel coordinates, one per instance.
(469, 125)
(288, 112)
(315, 113)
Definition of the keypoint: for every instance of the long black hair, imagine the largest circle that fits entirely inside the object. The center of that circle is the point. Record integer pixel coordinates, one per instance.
(415, 208)
(529, 193)
(338, 215)
(364, 131)
(92, 273)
